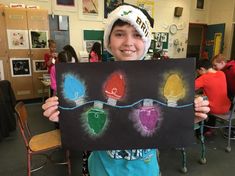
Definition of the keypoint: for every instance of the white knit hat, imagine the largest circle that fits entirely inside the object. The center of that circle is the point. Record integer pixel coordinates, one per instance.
(133, 16)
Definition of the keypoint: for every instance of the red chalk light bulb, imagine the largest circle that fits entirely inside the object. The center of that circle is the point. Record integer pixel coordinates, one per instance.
(115, 87)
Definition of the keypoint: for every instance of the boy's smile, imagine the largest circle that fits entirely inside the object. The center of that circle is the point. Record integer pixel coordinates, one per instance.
(126, 43)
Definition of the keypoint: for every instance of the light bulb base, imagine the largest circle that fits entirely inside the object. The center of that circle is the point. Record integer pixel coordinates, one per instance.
(98, 104)
(79, 102)
(112, 101)
(171, 103)
(148, 102)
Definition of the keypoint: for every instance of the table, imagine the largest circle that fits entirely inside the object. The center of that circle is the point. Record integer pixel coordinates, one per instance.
(46, 83)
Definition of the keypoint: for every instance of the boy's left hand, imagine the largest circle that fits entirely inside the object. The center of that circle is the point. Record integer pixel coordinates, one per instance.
(201, 109)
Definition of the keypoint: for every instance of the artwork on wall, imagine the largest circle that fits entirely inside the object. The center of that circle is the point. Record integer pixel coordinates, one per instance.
(1, 70)
(148, 5)
(161, 39)
(20, 67)
(109, 106)
(90, 43)
(90, 10)
(159, 42)
(110, 6)
(38, 39)
(18, 39)
(65, 5)
(39, 66)
(200, 4)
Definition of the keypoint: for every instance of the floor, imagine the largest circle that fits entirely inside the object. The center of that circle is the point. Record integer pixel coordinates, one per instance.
(13, 156)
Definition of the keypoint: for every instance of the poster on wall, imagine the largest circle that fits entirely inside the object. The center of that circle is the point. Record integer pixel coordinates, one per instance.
(90, 10)
(148, 5)
(20, 67)
(39, 66)
(109, 6)
(18, 39)
(1, 70)
(65, 5)
(38, 39)
(90, 7)
(110, 105)
(161, 40)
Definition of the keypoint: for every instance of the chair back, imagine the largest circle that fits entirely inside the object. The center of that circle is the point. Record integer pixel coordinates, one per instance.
(233, 102)
(22, 117)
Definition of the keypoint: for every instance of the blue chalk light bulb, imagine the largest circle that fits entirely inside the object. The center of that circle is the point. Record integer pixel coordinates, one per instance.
(74, 89)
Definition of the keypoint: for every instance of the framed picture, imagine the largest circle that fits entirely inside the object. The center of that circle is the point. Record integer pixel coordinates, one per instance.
(200, 4)
(20, 67)
(110, 6)
(90, 10)
(38, 39)
(65, 5)
(39, 66)
(18, 39)
(63, 22)
(1, 70)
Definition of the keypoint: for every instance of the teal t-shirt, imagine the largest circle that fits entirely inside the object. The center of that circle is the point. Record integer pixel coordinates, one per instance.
(136, 162)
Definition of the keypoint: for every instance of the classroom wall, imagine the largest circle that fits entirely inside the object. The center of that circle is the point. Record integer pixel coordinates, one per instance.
(223, 12)
(164, 17)
(197, 15)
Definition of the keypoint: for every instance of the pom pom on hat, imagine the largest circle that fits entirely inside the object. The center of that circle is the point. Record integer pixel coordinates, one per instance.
(135, 17)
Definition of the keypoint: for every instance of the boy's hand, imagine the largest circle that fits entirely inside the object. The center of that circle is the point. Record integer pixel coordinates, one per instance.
(50, 108)
(201, 109)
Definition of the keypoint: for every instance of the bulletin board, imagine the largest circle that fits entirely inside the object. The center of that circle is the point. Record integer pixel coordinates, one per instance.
(93, 35)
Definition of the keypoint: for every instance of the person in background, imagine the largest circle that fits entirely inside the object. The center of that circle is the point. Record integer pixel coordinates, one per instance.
(219, 62)
(50, 57)
(71, 50)
(126, 40)
(63, 57)
(156, 56)
(214, 86)
(66, 57)
(95, 53)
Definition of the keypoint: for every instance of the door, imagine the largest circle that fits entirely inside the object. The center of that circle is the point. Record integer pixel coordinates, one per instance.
(214, 39)
(233, 44)
(196, 40)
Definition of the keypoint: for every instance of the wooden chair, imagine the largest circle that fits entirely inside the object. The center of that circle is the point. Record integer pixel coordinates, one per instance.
(40, 144)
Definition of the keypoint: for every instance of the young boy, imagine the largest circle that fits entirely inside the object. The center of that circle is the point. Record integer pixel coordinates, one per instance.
(219, 63)
(210, 82)
(126, 37)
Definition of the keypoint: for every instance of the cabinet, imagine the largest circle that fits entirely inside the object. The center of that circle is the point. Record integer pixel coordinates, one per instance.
(20, 54)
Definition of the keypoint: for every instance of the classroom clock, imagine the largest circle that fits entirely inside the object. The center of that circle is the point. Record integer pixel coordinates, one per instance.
(173, 29)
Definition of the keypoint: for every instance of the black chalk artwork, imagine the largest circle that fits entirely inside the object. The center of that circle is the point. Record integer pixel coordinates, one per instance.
(126, 105)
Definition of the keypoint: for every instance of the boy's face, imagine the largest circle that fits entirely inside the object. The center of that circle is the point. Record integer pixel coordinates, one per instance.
(218, 65)
(126, 43)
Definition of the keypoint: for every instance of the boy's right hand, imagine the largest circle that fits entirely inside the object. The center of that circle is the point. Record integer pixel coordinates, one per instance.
(50, 108)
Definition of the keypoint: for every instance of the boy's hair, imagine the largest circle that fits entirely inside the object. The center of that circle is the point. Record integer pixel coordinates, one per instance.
(204, 63)
(218, 58)
(131, 15)
(65, 56)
